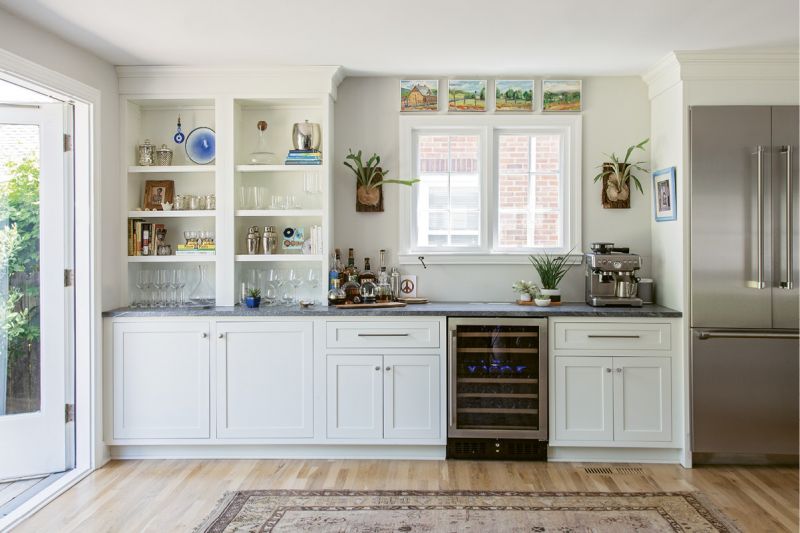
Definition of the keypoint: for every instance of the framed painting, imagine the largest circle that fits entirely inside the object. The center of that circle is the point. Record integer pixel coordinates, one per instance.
(157, 193)
(664, 194)
(466, 95)
(419, 95)
(513, 95)
(561, 95)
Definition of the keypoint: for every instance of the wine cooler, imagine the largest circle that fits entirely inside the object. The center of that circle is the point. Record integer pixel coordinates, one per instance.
(497, 388)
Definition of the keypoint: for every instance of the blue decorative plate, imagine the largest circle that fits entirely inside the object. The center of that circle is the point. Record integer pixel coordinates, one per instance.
(201, 145)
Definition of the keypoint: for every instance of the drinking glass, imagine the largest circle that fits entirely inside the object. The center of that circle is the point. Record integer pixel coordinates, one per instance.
(296, 280)
(312, 280)
(292, 203)
(311, 183)
(172, 287)
(180, 283)
(142, 284)
(160, 283)
(277, 202)
(272, 285)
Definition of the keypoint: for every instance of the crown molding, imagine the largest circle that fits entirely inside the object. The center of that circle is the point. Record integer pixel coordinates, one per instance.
(717, 65)
(311, 79)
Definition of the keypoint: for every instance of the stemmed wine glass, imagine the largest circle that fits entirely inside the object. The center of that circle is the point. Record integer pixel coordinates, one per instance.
(143, 285)
(296, 279)
(312, 280)
(180, 283)
(160, 284)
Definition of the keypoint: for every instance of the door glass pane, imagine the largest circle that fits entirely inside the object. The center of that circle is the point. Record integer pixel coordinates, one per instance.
(19, 269)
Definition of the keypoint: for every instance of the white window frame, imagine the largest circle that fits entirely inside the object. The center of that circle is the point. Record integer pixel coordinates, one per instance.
(490, 127)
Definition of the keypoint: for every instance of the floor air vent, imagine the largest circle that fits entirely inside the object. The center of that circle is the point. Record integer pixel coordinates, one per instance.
(502, 449)
(610, 471)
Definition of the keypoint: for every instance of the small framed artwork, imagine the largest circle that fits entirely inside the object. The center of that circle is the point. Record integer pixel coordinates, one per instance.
(664, 194)
(561, 95)
(513, 95)
(408, 286)
(466, 95)
(419, 95)
(157, 193)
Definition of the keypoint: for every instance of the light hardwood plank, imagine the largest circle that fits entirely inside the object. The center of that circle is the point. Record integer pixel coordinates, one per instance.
(175, 495)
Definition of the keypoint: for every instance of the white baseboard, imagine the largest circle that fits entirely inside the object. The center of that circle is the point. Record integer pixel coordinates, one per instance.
(308, 451)
(614, 455)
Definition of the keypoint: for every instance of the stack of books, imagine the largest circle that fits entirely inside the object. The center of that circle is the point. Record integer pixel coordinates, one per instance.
(200, 249)
(304, 157)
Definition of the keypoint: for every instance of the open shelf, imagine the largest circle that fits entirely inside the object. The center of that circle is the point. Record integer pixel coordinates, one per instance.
(172, 169)
(173, 214)
(279, 212)
(279, 258)
(172, 258)
(277, 168)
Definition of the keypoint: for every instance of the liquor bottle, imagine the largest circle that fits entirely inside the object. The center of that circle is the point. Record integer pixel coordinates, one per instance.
(351, 268)
(384, 291)
(336, 295)
(334, 273)
(352, 290)
(366, 274)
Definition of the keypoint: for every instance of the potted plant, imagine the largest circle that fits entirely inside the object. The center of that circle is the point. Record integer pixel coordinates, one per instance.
(253, 298)
(526, 290)
(617, 175)
(370, 178)
(551, 270)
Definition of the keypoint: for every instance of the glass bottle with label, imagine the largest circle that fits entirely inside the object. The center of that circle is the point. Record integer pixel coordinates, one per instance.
(352, 290)
(384, 292)
(351, 268)
(367, 273)
(336, 296)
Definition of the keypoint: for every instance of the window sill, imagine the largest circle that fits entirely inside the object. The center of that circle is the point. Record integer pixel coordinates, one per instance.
(453, 258)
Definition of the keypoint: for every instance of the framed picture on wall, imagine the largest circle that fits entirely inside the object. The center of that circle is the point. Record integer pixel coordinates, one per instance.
(664, 194)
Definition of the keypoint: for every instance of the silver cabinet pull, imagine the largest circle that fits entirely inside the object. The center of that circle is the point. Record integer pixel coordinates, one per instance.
(388, 368)
(377, 368)
(608, 370)
(759, 283)
(203, 335)
(383, 334)
(787, 283)
(619, 370)
(614, 336)
(220, 335)
(705, 335)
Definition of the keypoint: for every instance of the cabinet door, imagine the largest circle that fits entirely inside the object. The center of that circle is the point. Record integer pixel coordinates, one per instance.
(411, 397)
(265, 380)
(584, 399)
(642, 399)
(161, 380)
(355, 396)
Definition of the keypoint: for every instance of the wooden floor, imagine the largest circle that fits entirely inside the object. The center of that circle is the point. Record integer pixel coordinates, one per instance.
(175, 495)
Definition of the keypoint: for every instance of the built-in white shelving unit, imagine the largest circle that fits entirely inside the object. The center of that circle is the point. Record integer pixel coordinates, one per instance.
(151, 100)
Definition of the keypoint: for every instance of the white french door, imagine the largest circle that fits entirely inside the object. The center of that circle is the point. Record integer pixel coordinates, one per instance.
(36, 292)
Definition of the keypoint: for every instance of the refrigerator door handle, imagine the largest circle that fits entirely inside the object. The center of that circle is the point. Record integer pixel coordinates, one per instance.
(787, 283)
(710, 334)
(759, 283)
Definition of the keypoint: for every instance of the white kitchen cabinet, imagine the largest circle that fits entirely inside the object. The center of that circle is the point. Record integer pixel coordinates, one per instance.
(265, 379)
(383, 397)
(161, 380)
(642, 399)
(619, 399)
(584, 398)
(411, 395)
(354, 396)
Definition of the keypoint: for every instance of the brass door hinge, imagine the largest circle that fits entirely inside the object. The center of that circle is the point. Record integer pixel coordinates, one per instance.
(69, 412)
(69, 277)
(67, 142)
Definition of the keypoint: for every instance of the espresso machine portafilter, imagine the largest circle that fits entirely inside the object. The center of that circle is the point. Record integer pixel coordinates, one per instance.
(611, 276)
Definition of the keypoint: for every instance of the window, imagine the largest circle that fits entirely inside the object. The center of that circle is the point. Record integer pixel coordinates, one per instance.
(492, 188)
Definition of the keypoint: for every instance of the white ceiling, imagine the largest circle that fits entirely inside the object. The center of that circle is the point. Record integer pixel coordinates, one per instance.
(433, 37)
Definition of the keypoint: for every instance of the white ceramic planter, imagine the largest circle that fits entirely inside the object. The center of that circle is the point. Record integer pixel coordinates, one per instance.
(554, 294)
(524, 297)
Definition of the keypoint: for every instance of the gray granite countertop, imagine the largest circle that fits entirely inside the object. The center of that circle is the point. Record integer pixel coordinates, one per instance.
(430, 309)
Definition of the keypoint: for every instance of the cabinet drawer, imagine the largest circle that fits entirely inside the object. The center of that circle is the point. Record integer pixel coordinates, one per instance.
(365, 334)
(611, 336)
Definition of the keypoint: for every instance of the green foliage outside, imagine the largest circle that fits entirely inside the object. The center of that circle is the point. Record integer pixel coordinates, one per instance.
(19, 258)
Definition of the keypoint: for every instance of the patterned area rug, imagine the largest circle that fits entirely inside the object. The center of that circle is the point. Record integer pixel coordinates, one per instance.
(462, 511)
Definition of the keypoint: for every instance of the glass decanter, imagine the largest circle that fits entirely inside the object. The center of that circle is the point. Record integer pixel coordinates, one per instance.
(203, 292)
(262, 156)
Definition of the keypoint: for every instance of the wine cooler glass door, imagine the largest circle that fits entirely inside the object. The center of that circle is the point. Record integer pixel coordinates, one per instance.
(498, 378)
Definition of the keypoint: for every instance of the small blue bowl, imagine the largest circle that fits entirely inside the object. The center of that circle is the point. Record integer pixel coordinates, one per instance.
(201, 145)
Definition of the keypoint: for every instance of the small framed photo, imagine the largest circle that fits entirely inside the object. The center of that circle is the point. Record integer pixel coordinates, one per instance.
(408, 286)
(513, 95)
(561, 95)
(157, 193)
(664, 194)
(419, 95)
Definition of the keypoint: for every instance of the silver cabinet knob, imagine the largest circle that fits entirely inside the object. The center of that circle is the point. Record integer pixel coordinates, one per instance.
(619, 370)
(220, 335)
(204, 335)
(377, 368)
(608, 370)
(388, 368)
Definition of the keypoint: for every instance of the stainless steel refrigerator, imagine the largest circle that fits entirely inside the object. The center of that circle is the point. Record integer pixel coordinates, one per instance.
(744, 283)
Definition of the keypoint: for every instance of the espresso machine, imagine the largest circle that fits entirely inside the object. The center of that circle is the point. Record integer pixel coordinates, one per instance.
(611, 276)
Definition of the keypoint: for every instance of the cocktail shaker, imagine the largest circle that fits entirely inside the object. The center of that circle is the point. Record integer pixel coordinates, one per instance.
(253, 240)
(269, 241)
(394, 282)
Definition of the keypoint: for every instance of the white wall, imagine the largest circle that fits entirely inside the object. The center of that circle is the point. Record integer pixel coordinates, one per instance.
(616, 114)
(39, 46)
